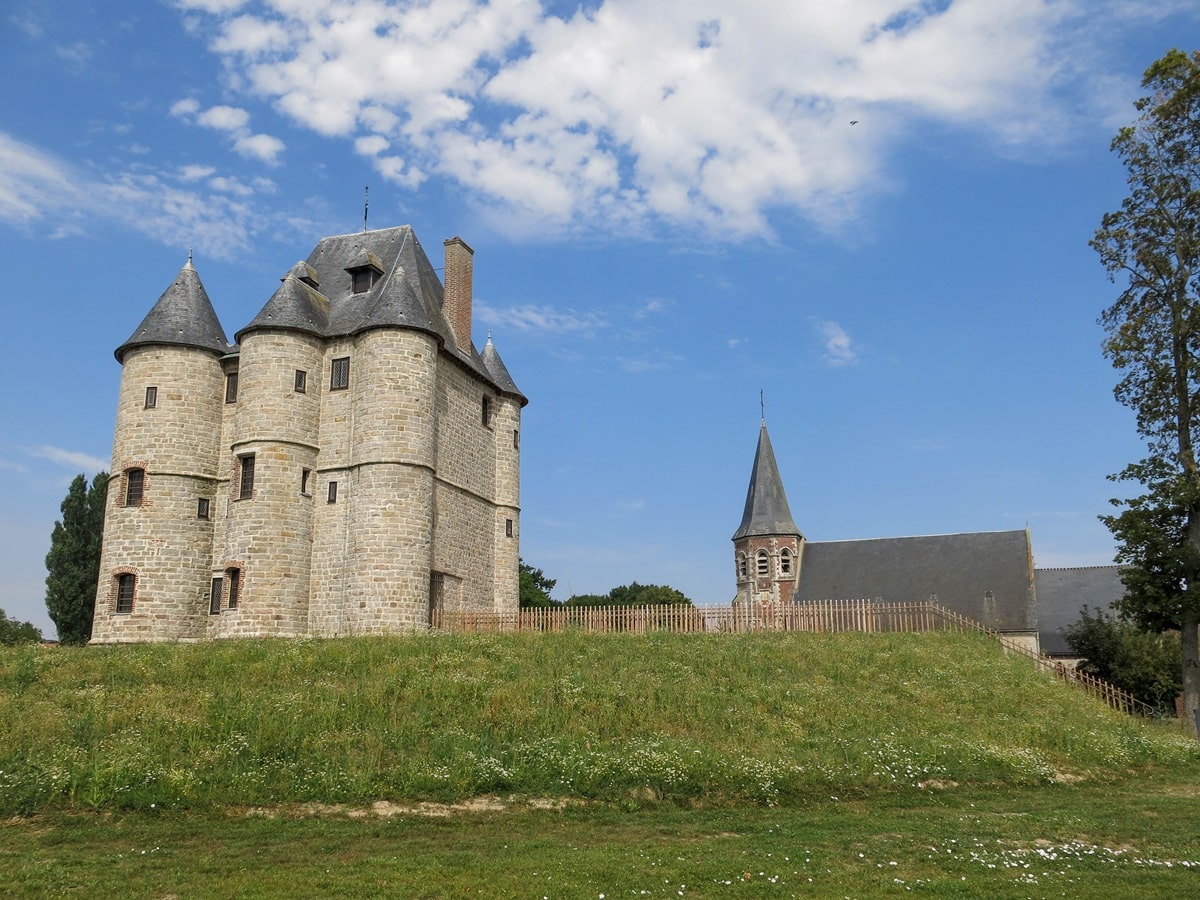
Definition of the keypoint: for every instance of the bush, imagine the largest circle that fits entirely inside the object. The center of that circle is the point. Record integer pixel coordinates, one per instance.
(1147, 665)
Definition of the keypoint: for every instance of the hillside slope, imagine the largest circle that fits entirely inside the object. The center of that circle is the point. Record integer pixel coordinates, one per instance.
(761, 718)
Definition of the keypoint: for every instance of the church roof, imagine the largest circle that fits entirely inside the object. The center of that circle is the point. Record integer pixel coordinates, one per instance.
(183, 316)
(986, 576)
(767, 509)
(1062, 593)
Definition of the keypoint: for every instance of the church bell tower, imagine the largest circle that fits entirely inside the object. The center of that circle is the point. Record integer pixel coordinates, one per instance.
(767, 547)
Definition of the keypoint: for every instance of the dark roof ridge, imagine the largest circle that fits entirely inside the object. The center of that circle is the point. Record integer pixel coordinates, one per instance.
(907, 537)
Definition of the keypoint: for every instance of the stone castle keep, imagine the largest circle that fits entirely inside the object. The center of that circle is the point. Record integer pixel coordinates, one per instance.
(349, 465)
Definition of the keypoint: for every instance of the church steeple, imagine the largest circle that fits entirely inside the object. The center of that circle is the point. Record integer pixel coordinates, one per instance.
(767, 546)
(767, 509)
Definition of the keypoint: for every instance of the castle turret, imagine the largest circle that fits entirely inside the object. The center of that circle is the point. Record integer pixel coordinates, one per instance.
(158, 528)
(507, 427)
(767, 545)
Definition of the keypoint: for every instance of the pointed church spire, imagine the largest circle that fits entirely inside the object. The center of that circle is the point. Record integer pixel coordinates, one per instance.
(767, 509)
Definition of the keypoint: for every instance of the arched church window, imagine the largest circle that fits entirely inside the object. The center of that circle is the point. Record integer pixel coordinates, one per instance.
(743, 565)
(785, 562)
(763, 563)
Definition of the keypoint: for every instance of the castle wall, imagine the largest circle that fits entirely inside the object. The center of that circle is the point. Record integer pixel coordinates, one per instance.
(372, 545)
(268, 535)
(162, 540)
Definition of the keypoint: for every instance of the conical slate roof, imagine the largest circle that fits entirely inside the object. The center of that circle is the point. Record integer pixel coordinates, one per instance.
(496, 368)
(766, 503)
(183, 315)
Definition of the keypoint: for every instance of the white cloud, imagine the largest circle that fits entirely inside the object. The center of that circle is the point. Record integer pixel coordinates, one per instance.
(534, 318)
(708, 114)
(217, 217)
(71, 459)
(840, 350)
(235, 122)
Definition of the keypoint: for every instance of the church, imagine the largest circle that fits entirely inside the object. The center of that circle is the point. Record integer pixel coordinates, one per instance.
(349, 464)
(988, 577)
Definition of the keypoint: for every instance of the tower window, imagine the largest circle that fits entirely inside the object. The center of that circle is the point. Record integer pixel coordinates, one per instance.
(231, 384)
(339, 374)
(762, 564)
(151, 397)
(301, 381)
(508, 528)
(246, 477)
(202, 508)
(126, 583)
(135, 486)
(333, 492)
(743, 565)
(214, 600)
(516, 439)
(305, 475)
(362, 279)
(487, 411)
(785, 562)
(234, 577)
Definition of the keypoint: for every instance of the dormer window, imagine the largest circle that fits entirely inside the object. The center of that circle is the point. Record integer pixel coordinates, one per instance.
(364, 270)
(362, 280)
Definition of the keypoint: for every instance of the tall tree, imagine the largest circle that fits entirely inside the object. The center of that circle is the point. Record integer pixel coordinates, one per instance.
(73, 563)
(534, 587)
(1151, 246)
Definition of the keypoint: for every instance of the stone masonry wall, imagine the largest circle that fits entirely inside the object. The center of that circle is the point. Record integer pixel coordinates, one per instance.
(162, 540)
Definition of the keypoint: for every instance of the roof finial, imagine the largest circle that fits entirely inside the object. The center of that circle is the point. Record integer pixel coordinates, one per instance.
(366, 204)
(762, 403)
(189, 262)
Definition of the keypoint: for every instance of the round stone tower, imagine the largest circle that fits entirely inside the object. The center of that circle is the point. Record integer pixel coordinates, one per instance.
(158, 528)
(508, 482)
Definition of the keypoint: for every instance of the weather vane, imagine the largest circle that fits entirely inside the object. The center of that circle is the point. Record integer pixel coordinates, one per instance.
(366, 203)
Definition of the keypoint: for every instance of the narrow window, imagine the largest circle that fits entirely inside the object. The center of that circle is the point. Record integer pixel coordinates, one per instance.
(333, 492)
(125, 588)
(214, 602)
(246, 477)
(339, 374)
(508, 527)
(234, 577)
(151, 397)
(301, 381)
(785, 562)
(202, 508)
(487, 411)
(743, 566)
(516, 439)
(362, 279)
(762, 564)
(231, 387)
(135, 486)
(305, 474)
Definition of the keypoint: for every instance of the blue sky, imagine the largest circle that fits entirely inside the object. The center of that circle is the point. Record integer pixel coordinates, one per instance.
(875, 212)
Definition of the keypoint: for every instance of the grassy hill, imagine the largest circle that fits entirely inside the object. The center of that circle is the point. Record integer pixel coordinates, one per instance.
(720, 719)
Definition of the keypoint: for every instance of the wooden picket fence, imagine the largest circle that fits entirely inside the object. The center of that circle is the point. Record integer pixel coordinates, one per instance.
(825, 616)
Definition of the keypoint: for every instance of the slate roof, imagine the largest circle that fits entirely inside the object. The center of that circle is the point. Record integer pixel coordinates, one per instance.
(960, 569)
(766, 509)
(407, 294)
(1061, 593)
(183, 315)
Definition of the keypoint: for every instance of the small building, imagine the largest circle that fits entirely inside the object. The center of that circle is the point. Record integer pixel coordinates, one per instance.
(349, 465)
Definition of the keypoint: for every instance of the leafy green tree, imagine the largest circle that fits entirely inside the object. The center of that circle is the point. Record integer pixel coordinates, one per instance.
(633, 595)
(73, 563)
(535, 587)
(1152, 244)
(15, 632)
(1145, 664)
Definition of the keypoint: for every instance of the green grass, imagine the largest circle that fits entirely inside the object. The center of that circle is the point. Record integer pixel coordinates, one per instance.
(1137, 838)
(768, 719)
(737, 765)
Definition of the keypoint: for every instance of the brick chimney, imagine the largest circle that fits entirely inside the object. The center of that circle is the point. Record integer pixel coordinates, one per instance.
(456, 304)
